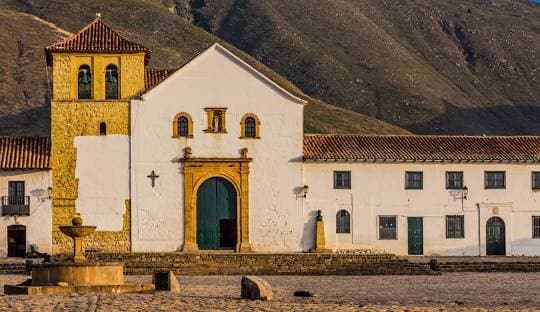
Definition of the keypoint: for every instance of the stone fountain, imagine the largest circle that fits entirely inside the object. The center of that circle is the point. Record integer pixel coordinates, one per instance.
(78, 275)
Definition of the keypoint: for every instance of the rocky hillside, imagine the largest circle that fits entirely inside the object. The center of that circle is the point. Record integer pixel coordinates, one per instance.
(430, 66)
(33, 24)
(23, 74)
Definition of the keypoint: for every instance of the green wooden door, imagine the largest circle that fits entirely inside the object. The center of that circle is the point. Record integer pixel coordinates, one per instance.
(415, 235)
(495, 237)
(216, 215)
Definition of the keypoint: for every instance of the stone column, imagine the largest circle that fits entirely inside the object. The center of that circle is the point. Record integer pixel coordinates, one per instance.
(190, 214)
(78, 249)
(243, 243)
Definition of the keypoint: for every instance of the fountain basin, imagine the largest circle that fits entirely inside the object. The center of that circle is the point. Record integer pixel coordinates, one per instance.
(77, 230)
(78, 273)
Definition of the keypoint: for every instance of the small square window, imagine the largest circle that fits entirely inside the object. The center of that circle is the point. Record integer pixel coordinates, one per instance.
(414, 180)
(455, 227)
(454, 180)
(342, 179)
(536, 180)
(536, 226)
(495, 180)
(387, 227)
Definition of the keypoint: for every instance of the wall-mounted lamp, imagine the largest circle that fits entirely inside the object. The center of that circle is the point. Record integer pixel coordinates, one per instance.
(305, 190)
(49, 192)
(464, 192)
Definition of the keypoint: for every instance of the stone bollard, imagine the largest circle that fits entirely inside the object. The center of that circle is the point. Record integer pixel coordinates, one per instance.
(166, 281)
(434, 264)
(255, 288)
(320, 241)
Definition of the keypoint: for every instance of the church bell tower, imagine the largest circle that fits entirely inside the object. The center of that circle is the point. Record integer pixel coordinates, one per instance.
(94, 75)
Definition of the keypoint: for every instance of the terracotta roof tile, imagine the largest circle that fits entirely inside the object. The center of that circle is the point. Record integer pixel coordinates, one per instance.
(24, 153)
(97, 37)
(153, 76)
(402, 148)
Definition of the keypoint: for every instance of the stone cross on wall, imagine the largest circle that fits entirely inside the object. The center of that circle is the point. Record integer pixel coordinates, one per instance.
(153, 176)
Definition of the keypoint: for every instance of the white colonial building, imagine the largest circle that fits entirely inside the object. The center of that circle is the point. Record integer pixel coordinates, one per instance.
(212, 156)
(25, 181)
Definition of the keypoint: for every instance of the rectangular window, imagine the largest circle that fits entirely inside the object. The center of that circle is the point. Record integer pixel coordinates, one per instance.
(536, 226)
(16, 192)
(495, 179)
(536, 180)
(342, 179)
(414, 180)
(387, 227)
(454, 180)
(455, 227)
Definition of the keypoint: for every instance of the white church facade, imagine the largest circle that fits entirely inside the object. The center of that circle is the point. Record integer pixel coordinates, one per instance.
(212, 156)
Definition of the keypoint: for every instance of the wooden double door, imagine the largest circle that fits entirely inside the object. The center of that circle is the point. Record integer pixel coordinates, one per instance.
(216, 215)
(495, 237)
(16, 235)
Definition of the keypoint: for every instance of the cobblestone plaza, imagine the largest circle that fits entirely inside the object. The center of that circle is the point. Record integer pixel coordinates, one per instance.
(450, 291)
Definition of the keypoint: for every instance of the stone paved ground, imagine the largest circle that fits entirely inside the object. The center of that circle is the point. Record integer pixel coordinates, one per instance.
(451, 291)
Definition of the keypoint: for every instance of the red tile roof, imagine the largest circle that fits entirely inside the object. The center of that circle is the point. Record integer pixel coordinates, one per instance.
(24, 153)
(405, 148)
(153, 76)
(97, 37)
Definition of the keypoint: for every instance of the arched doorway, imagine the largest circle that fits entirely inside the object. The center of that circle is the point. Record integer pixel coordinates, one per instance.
(16, 235)
(495, 237)
(216, 215)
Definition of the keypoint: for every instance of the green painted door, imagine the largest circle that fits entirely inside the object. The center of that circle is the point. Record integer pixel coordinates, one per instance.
(495, 237)
(216, 215)
(415, 235)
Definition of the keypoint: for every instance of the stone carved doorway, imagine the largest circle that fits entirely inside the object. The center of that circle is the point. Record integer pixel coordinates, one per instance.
(235, 172)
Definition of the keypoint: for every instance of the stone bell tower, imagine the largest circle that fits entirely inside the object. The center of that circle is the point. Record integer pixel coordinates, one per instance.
(94, 75)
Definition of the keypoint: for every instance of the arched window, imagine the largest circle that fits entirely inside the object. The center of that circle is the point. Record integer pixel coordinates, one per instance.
(111, 82)
(249, 128)
(343, 222)
(85, 83)
(250, 125)
(102, 128)
(182, 126)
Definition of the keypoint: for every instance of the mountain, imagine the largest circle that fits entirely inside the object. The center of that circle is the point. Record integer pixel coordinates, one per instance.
(173, 39)
(430, 66)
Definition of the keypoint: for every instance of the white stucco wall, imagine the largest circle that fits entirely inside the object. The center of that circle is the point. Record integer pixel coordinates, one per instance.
(378, 189)
(39, 223)
(217, 79)
(102, 170)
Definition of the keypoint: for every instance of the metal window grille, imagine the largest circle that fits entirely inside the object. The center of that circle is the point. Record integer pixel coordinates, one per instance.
(536, 180)
(342, 179)
(454, 180)
(414, 180)
(495, 179)
(455, 227)
(183, 126)
(536, 226)
(387, 227)
(249, 127)
(343, 222)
